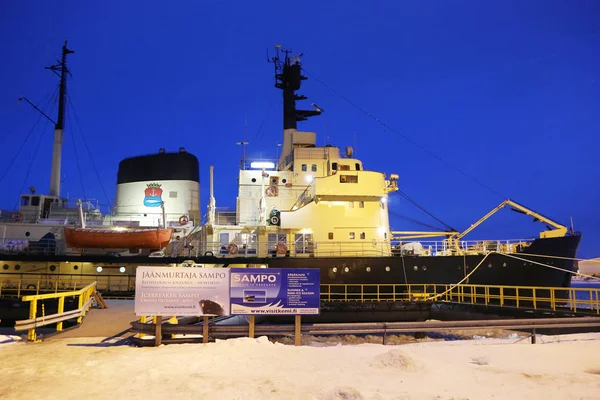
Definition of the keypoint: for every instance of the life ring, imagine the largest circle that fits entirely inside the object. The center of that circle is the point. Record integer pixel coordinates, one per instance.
(272, 191)
(281, 248)
(16, 217)
(232, 248)
(183, 220)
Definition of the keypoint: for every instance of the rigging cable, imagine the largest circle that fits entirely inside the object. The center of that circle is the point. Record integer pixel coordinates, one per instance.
(10, 164)
(260, 131)
(88, 150)
(387, 127)
(76, 157)
(414, 221)
(52, 100)
(414, 203)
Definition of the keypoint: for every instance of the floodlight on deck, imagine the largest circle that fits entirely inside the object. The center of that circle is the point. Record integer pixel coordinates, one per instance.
(262, 164)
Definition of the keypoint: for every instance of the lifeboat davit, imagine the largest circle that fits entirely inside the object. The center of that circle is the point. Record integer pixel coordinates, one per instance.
(149, 238)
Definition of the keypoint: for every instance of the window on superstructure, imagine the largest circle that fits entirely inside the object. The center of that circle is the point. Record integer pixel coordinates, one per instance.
(334, 166)
(314, 168)
(330, 235)
(304, 168)
(172, 195)
(25, 200)
(352, 235)
(361, 204)
(344, 167)
(35, 201)
(357, 166)
(363, 235)
(348, 179)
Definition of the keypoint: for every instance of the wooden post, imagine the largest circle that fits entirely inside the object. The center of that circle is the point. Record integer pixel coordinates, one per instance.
(158, 331)
(298, 331)
(251, 327)
(205, 329)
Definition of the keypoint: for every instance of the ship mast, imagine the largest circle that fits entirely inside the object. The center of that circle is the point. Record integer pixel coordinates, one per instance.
(288, 78)
(61, 70)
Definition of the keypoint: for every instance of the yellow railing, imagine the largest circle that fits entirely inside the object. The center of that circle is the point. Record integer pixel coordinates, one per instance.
(85, 302)
(535, 297)
(39, 285)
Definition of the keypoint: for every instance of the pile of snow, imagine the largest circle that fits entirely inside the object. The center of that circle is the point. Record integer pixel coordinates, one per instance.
(557, 367)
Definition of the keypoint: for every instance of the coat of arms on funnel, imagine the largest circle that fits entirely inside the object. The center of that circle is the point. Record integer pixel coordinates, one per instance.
(153, 195)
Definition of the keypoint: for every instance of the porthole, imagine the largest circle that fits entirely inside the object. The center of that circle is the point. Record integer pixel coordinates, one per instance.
(346, 269)
(27, 233)
(99, 269)
(490, 265)
(76, 267)
(5, 266)
(17, 267)
(122, 269)
(284, 180)
(334, 269)
(368, 269)
(504, 264)
(416, 268)
(424, 267)
(387, 269)
(53, 268)
(253, 180)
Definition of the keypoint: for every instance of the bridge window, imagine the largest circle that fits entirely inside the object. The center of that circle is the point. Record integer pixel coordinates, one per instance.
(35, 201)
(334, 166)
(304, 167)
(314, 168)
(352, 235)
(25, 200)
(362, 235)
(357, 165)
(344, 167)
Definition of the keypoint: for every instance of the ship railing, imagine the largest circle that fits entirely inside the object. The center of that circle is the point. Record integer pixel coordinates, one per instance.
(85, 300)
(446, 248)
(571, 299)
(299, 248)
(14, 284)
(43, 246)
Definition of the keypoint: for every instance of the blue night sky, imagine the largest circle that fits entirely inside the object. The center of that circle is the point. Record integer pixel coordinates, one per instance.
(506, 93)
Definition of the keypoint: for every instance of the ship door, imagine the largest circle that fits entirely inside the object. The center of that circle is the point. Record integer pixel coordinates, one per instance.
(46, 207)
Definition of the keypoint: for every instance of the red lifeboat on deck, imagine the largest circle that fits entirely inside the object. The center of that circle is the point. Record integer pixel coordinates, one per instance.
(118, 238)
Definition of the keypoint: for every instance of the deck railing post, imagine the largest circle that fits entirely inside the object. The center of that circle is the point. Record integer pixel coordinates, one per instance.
(32, 314)
(61, 309)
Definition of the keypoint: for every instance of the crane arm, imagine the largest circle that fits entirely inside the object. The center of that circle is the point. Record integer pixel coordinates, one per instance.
(560, 230)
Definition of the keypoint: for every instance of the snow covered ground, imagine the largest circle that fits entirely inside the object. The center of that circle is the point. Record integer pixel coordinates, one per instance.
(557, 367)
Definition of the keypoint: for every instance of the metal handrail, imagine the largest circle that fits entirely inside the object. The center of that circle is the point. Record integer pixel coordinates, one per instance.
(85, 302)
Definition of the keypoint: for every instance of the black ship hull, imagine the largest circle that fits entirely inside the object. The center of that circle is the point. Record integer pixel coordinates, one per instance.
(546, 262)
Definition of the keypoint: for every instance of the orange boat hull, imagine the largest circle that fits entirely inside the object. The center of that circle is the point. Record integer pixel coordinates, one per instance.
(112, 239)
